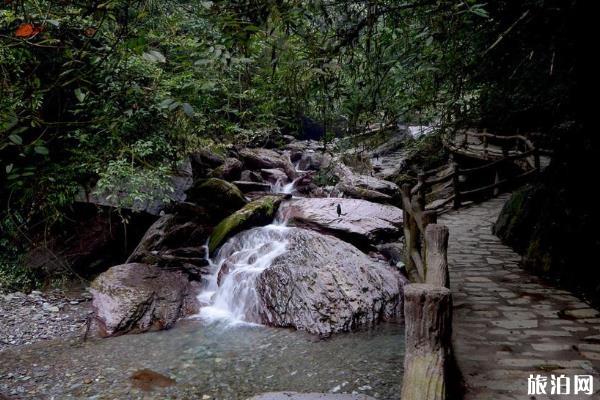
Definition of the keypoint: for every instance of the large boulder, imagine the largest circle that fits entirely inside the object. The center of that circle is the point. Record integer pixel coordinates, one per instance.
(273, 175)
(134, 298)
(251, 176)
(318, 283)
(361, 222)
(175, 242)
(314, 160)
(264, 158)
(230, 170)
(351, 179)
(258, 212)
(249, 186)
(204, 161)
(220, 197)
(94, 239)
(358, 192)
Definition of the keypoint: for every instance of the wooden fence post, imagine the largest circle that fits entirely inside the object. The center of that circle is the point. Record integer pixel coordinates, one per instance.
(411, 235)
(429, 217)
(455, 185)
(485, 147)
(436, 260)
(428, 314)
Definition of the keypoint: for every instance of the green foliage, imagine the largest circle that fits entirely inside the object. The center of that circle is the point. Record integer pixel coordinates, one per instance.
(98, 80)
(112, 95)
(12, 275)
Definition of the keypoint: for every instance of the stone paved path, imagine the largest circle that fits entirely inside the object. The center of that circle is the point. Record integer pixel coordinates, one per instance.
(508, 323)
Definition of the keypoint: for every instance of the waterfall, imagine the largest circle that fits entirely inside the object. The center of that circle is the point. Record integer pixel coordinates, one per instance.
(230, 293)
(280, 186)
(284, 188)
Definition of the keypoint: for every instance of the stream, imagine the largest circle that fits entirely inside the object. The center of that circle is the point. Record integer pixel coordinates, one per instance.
(212, 360)
(221, 353)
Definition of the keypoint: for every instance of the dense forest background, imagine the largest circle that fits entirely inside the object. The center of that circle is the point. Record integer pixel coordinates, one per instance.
(94, 94)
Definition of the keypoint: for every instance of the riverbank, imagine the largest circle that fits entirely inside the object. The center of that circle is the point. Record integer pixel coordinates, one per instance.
(41, 316)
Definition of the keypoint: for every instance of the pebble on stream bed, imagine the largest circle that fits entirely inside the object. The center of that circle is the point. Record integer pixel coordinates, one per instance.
(37, 316)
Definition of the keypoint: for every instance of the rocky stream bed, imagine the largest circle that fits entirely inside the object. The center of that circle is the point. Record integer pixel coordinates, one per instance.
(288, 238)
(199, 361)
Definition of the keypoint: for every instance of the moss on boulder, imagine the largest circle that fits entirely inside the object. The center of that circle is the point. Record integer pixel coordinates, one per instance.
(220, 197)
(256, 213)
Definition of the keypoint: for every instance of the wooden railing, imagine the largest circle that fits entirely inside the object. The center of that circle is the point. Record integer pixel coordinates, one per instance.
(415, 221)
(488, 146)
(428, 359)
(427, 299)
(498, 151)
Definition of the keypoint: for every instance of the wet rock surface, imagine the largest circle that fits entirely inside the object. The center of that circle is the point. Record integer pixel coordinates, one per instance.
(135, 297)
(231, 169)
(266, 159)
(220, 197)
(324, 285)
(361, 181)
(175, 242)
(39, 316)
(258, 212)
(360, 222)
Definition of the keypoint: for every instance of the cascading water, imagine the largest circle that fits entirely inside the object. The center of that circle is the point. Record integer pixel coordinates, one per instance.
(284, 188)
(281, 186)
(230, 294)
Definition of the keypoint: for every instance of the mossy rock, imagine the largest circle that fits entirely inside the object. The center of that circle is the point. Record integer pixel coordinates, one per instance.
(217, 195)
(517, 220)
(256, 213)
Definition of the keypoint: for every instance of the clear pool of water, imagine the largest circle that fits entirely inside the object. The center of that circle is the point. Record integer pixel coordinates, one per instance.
(209, 362)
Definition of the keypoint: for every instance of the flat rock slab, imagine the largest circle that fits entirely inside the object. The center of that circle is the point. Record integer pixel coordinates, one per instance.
(361, 222)
(309, 396)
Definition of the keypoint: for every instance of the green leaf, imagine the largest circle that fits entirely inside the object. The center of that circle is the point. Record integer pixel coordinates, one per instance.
(203, 61)
(80, 95)
(166, 103)
(188, 109)
(251, 28)
(479, 11)
(41, 150)
(16, 139)
(207, 86)
(8, 121)
(9, 168)
(154, 56)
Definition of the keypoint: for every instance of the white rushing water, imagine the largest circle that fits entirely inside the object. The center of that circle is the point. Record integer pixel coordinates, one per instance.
(232, 298)
(285, 187)
(282, 187)
(240, 261)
